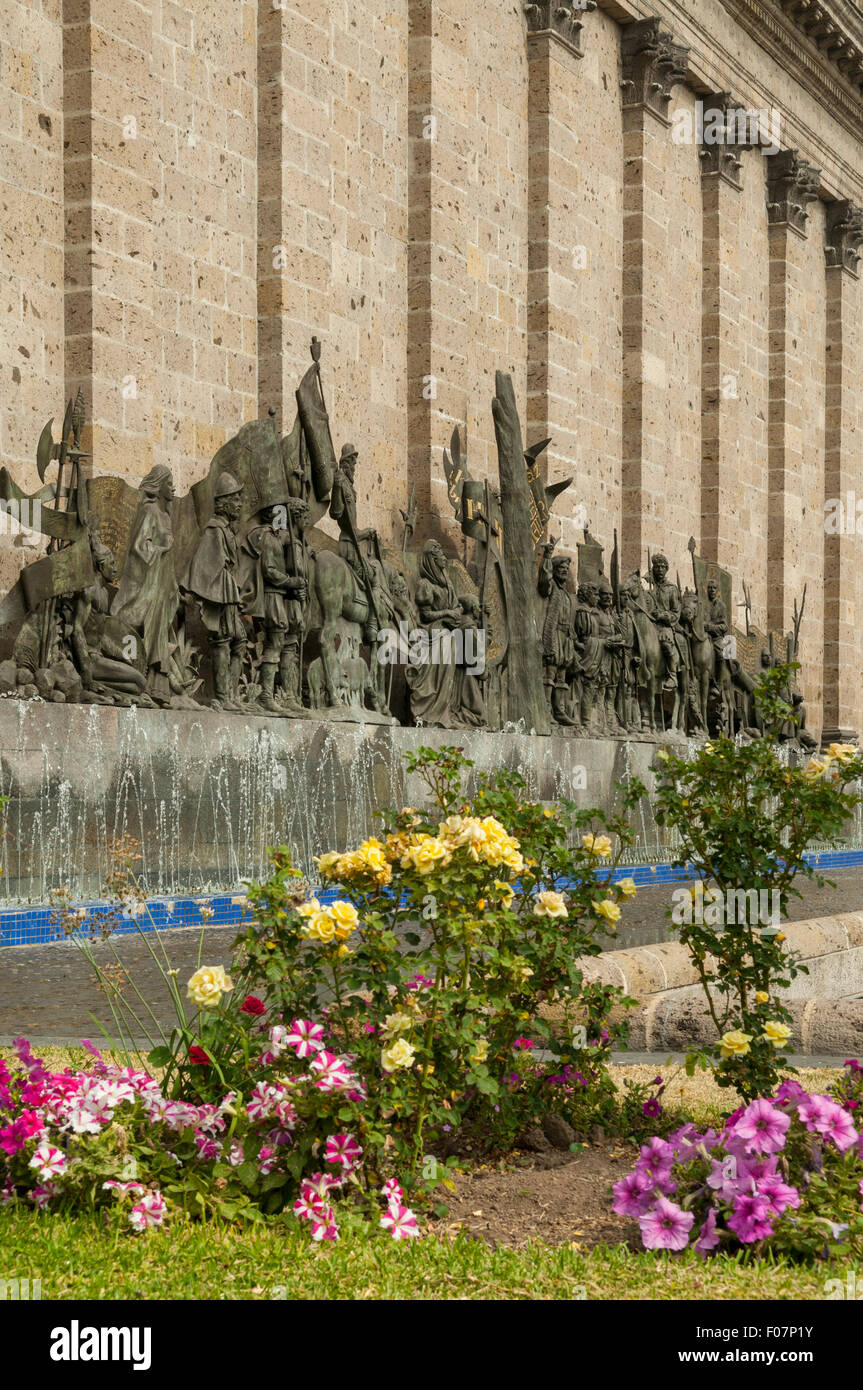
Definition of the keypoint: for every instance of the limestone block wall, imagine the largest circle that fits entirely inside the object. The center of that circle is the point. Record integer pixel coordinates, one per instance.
(189, 191)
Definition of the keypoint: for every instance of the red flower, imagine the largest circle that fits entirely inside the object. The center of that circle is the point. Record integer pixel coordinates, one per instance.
(252, 1005)
(199, 1057)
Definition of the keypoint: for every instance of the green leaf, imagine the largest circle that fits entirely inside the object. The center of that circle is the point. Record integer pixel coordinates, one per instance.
(248, 1173)
(160, 1057)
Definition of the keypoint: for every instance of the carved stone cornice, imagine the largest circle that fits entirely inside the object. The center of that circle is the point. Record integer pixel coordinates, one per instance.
(836, 84)
(563, 22)
(791, 184)
(843, 235)
(652, 64)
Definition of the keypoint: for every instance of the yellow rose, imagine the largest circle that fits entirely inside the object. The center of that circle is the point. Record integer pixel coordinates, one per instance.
(608, 909)
(480, 1050)
(814, 768)
(309, 909)
(600, 845)
(396, 1023)
(842, 752)
(372, 856)
(761, 996)
(735, 1043)
(207, 986)
(399, 1056)
(549, 904)
(512, 860)
(344, 914)
(329, 864)
(425, 858)
(627, 887)
(776, 1033)
(504, 892)
(321, 927)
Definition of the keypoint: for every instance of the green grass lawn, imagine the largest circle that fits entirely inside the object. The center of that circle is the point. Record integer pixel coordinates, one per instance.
(87, 1257)
(79, 1258)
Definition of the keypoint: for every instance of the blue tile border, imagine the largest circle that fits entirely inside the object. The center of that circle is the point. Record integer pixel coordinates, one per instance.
(31, 926)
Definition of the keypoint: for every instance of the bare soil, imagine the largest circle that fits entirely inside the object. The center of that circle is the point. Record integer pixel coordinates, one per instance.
(557, 1198)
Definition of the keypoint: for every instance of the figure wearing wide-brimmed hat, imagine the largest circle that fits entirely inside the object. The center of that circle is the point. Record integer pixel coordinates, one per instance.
(212, 578)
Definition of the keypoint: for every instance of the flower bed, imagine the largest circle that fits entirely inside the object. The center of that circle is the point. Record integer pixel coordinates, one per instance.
(784, 1173)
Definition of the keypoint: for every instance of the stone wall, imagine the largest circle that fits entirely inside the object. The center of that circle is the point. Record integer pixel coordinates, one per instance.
(189, 191)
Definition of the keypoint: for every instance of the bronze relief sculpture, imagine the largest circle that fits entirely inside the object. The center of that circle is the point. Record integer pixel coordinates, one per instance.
(292, 622)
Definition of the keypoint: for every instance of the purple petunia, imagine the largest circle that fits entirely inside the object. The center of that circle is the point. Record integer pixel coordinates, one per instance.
(666, 1227)
(762, 1127)
(751, 1218)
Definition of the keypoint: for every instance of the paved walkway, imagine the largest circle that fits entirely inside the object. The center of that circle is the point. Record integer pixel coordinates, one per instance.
(644, 921)
(49, 992)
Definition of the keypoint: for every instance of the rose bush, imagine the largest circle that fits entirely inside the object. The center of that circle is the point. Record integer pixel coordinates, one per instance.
(744, 818)
(430, 987)
(449, 961)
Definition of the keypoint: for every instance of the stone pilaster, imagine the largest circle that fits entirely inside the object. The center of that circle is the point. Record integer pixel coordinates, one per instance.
(554, 50)
(294, 231)
(108, 179)
(467, 234)
(721, 341)
(791, 185)
(651, 65)
(843, 589)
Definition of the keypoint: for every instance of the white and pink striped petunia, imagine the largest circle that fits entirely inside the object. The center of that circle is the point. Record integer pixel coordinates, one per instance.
(305, 1037)
(48, 1161)
(149, 1212)
(400, 1222)
(343, 1149)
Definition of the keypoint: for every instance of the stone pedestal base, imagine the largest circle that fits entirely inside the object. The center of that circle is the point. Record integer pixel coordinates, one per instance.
(206, 792)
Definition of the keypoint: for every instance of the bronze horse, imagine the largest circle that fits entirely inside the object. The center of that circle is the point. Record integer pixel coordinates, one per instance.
(339, 595)
(653, 668)
(706, 668)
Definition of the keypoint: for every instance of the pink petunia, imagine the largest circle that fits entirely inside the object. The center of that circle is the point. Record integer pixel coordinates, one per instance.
(666, 1227)
(762, 1127)
(332, 1072)
(48, 1161)
(208, 1149)
(778, 1193)
(825, 1117)
(392, 1191)
(707, 1238)
(42, 1194)
(751, 1218)
(124, 1189)
(264, 1100)
(326, 1229)
(633, 1195)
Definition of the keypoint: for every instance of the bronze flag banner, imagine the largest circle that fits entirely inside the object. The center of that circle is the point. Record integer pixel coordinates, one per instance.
(67, 571)
(316, 427)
